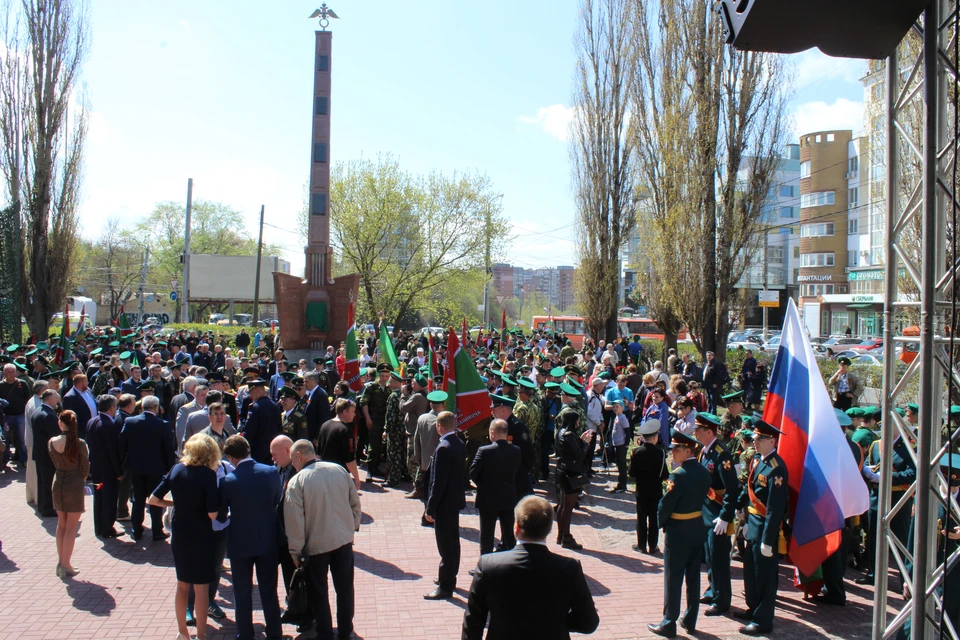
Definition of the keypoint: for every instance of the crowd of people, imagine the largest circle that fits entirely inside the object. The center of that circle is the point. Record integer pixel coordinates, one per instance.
(263, 458)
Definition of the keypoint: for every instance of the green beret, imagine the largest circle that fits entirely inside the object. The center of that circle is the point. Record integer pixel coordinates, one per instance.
(913, 406)
(863, 437)
(437, 397)
(954, 409)
(420, 380)
(855, 412)
(745, 433)
(604, 375)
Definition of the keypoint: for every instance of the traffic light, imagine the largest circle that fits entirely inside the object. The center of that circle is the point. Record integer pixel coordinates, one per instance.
(841, 28)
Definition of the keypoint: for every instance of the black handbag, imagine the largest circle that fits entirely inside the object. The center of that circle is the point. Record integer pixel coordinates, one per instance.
(298, 602)
(578, 481)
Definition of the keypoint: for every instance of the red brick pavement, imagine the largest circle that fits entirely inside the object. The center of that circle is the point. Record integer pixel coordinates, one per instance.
(125, 589)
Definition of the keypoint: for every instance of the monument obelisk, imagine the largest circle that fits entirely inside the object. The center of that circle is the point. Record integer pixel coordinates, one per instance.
(313, 310)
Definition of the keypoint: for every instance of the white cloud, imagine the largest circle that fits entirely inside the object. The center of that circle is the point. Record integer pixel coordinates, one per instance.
(186, 26)
(555, 120)
(813, 67)
(820, 116)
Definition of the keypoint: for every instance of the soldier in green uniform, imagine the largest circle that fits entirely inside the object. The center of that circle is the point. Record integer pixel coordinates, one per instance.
(765, 498)
(396, 434)
(373, 404)
(508, 386)
(732, 420)
(680, 515)
(569, 396)
(904, 474)
(298, 385)
(745, 453)
(719, 512)
(856, 418)
(293, 423)
(527, 411)
(866, 434)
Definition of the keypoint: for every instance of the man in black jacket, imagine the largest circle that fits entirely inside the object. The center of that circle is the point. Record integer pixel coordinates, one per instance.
(147, 444)
(318, 405)
(445, 501)
(103, 439)
(648, 467)
(529, 592)
(46, 425)
(494, 470)
(80, 400)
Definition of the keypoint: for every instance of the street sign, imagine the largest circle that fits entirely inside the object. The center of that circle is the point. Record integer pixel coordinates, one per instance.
(480, 308)
(500, 299)
(770, 298)
(173, 296)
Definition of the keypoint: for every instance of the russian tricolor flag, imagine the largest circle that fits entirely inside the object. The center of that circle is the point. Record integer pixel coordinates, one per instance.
(825, 484)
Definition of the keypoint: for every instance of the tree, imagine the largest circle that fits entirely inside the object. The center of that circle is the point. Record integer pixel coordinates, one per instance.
(216, 229)
(711, 127)
(603, 159)
(41, 153)
(406, 235)
(115, 262)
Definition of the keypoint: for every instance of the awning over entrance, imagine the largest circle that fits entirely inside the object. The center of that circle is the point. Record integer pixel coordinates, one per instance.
(859, 306)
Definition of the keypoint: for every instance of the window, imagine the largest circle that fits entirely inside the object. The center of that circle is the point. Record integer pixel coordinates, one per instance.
(853, 198)
(796, 253)
(318, 204)
(830, 137)
(853, 226)
(774, 254)
(323, 63)
(789, 212)
(785, 231)
(816, 139)
(853, 164)
(815, 289)
(851, 258)
(816, 260)
(786, 191)
(319, 151)
(805, 167)
(816, 199)
(816, 230)
(322, 105)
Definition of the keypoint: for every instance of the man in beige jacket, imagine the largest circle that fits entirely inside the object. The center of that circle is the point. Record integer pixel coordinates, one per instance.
(321, 512)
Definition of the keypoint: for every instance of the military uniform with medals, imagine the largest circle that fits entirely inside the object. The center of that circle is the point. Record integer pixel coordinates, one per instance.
(294, 424)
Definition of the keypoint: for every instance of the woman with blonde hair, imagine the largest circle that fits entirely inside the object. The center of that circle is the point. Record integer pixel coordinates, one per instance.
(193, 483)
(72, 462)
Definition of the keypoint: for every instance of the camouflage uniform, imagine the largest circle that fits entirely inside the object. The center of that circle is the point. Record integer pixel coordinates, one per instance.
(530, 415)
(729, 427)
(374, 397)
(294, 426)
(396, 440)
(575, 407)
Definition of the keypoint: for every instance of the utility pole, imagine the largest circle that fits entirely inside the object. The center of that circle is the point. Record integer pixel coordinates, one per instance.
(143, 280)
(486, 272)
(256, 286)
(185, 301)
(766, 251)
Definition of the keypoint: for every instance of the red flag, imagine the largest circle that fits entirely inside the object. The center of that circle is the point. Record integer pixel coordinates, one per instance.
(351, 369)
(503, 323)
(467, 396)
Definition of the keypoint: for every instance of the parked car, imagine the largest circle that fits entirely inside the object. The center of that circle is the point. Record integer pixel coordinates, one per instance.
(866, 358)
(746, 345)
(834, 345)
(772, 344)
(868, 345)
(847, 353)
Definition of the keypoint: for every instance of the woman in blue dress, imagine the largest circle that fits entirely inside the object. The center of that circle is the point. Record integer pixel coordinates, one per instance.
(193, 483)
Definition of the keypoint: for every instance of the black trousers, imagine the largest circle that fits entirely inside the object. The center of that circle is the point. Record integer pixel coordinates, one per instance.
(488, 525)
(45, 473)
(681, 563)
(242, 570)
(648, 530)
(340, 563)
(104, 505)
(124, 492)
(760, 575)
(143, 486)
(446, 528)
(834, 568)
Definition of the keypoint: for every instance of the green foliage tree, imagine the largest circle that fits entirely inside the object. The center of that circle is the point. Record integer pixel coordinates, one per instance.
(216, 229)
(407, 235)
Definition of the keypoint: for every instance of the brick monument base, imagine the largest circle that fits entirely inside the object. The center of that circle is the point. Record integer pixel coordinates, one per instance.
(311, 318)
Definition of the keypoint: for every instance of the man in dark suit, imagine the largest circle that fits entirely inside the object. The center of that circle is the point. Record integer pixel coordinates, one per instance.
(529, 592)
(252, 492)
(46, 425)
(318, 405)
(81, 401)
(146, 442)
(103, 439)
(494, 470)
(126, 405)
(445, 501)
(180, 399)
(263, 422)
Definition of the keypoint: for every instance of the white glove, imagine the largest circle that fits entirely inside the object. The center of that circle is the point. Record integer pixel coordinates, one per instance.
(871, 475)
(766, 550)
(720, 527)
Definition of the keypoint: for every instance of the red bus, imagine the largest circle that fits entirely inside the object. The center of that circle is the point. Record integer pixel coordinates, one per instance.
(573, 327)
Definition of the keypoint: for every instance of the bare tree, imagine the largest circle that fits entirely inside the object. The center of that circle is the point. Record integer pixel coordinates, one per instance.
(711, 128)
(116, 262)
(41, 152)
(602, 153)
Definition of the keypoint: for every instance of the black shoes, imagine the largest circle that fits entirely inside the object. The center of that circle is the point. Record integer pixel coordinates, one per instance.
(706, 600)
(638, 548)
(570, 543)
(688, 628)
(661, 630)
(113, 533)
(159, 537)
(714, 610)
(438, 594)
(868, 579)
(753, 630)
(424, 522)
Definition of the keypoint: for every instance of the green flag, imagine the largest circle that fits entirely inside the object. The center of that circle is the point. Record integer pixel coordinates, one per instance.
(468, 398)
(387, 354)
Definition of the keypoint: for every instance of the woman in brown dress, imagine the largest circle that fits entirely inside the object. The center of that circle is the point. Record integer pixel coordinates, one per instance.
(72, 461)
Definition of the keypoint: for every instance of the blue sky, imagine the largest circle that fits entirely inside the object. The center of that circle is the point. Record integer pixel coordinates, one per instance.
(222, 92)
